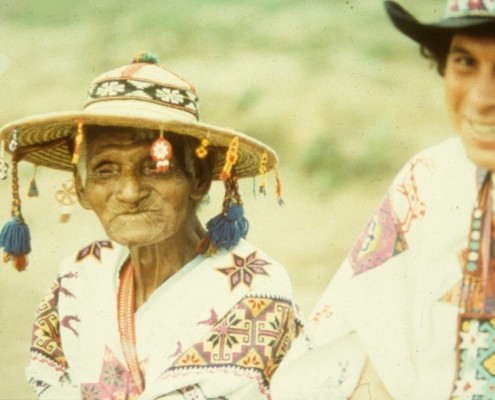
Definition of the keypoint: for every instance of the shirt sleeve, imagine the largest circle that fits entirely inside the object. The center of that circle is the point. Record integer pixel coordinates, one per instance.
(330, 364)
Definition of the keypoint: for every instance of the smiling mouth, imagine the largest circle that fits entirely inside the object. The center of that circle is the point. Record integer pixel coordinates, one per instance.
(483, 129)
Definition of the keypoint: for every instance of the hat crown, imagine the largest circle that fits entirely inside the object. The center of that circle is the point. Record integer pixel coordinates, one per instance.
(470, 8)
(147, 83)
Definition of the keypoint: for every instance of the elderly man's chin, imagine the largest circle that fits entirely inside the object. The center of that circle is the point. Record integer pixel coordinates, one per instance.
(137, 235)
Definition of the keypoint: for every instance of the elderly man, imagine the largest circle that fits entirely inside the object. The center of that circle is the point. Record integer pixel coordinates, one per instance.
(164, 309)
(415, 300)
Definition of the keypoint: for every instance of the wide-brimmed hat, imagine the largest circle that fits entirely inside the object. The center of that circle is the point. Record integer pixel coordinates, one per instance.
(470, 16)
(138, 95)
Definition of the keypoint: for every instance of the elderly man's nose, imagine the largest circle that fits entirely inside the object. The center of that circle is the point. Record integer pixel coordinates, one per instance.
(131, 189)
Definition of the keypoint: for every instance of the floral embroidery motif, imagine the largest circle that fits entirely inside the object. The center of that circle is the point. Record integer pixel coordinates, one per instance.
(109, 89)
(170, 95)
(244, 269)
(94, 249)
(115, 382)
(255, 335)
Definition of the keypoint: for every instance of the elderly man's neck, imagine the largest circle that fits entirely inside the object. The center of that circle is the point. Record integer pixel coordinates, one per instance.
(154, 264)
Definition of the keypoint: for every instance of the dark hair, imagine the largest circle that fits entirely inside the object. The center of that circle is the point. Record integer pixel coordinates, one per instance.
(184, 150)
(437, 53)
(438, 49)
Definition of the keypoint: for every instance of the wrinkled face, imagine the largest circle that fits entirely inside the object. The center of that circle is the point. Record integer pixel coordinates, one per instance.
(470, 94)
(135, 204)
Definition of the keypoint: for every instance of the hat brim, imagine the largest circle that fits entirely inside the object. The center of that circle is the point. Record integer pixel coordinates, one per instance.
(439, 33)
(44, 139)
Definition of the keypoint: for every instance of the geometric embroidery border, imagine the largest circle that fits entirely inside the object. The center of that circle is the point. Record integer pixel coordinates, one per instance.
(255, 335)
(475, 372)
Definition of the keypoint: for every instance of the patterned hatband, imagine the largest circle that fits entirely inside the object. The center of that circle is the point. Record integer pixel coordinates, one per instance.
(143, 90)
(470, 8)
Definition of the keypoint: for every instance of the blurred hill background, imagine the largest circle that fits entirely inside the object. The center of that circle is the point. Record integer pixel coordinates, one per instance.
(330, 84)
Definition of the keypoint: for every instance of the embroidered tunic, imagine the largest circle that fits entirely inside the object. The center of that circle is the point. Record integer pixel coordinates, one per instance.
(217, 329)
(404, 297)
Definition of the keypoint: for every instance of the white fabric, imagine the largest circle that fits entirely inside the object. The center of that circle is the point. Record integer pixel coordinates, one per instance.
(175, 318)
(393, 313)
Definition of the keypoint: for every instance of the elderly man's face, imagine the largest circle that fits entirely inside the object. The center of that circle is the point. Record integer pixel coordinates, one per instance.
(135, 204)
(470, 93)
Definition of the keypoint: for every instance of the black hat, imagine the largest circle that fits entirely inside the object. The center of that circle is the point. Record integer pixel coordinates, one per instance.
(469, 16)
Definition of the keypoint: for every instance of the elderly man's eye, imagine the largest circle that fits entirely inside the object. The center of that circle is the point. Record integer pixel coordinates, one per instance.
(105, 171)
(149, 168)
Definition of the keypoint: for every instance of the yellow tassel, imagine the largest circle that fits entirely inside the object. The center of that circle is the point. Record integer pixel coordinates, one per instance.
(78, 142)
(230, 159)
(262, 171)
(202, 149)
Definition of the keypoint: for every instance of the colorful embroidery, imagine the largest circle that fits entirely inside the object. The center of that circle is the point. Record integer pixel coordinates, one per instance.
(459, 8)
(243, 269)
(46, 341)
(475, 378)
(409, 188)
(255, 335)
(212, 320)
(130, 89)
(115, 382)
(126, 322)
(94, 249)
(324, 313)
(67, 323)
(177, 352)
(381, 240)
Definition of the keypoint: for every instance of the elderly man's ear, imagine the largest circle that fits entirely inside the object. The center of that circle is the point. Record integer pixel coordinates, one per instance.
(81, 193)
(201, 185)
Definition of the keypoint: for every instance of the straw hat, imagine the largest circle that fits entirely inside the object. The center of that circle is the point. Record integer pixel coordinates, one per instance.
(139, 95)
(470, 16)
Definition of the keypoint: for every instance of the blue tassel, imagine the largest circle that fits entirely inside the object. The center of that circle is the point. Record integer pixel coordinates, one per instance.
(33, 189)
(16, 242)
(225, 231)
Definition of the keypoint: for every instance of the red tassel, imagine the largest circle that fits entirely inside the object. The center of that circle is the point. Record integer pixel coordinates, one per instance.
(19, 262)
